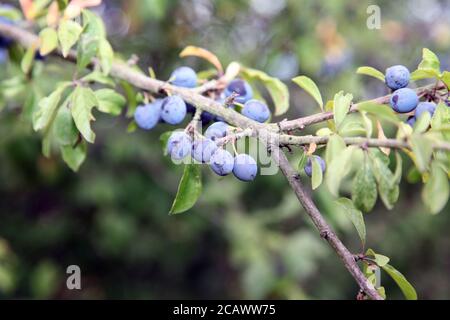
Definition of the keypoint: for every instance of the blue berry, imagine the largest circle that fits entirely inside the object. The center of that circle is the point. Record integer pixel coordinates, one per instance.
(422, 107)
(216, 130)
(256, 110)
(245, 167)
(207, 117)
(190, 108)
(308, 167)
(148, 116)
(397, 77)
(203, 150)
(221, 162)
(179, 145)
(173, 110)
(411, 121)
(184, 77)
(242, 88)
(3, 55)
(4, 41)
(404, 100)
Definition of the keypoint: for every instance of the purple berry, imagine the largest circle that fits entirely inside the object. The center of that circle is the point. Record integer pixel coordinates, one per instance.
(216, 131)
(422, 107)
(173, 110)
(179, 145)
(308, 167)
(245, 167)
(203, 150)
(148, 116)
(404, 100)
(240, 87)
(221, 162)
(411, 121)
(184, 77)
(397, 77)
(256, 110)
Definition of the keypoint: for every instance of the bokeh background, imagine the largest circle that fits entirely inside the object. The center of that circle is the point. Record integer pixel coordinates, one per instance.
(241, 240)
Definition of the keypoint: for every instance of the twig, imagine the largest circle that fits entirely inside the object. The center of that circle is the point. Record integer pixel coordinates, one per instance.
(322, 226)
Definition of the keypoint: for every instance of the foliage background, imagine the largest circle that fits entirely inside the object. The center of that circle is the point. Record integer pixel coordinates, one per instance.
(240, 240)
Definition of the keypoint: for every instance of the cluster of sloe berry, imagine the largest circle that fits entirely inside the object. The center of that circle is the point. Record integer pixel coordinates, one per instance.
(205, 149)
(403, 99)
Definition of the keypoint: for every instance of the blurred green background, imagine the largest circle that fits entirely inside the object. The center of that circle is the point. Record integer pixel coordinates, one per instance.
(241, 240)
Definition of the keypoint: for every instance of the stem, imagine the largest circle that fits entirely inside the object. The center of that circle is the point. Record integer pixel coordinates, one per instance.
(285, 139)
(322, 226)
(303, 122)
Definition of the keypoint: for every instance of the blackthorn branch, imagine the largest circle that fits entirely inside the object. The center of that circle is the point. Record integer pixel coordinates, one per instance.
(272, 134)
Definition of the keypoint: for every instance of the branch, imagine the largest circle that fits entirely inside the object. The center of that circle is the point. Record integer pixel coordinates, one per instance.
(302, 123)
(322, 226)
(285, 139)
(139, 80)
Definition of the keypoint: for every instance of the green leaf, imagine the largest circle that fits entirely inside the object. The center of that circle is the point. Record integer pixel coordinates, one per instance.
(341, 106)
(324, 132)
(379, 259)
(98, 77)
(445, 77)
(355, 216)
(64, 127)
(422, 148)
(441, 116)
(163, 138)
(87, 49)
(408, 290)
(48, 41)
(68, 34)
(436, 192)
(339, 167)
(335, 146)
(28, 59)
(388, 188)
(381, 111)
(82, 102)
(189, 190)
(93, 24)
(317, 174)
(423, 74)
(74, 156)
(352, 126)
(309, 86)
(303, 160)
(430, 62)
(364, 189)
(110, 101)
(106, 55)
(47, 108)
(62, 4)
(277, 89)
(398, 167)
(368, 124)
(369, 71)
(423, 123)
(382, 292)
